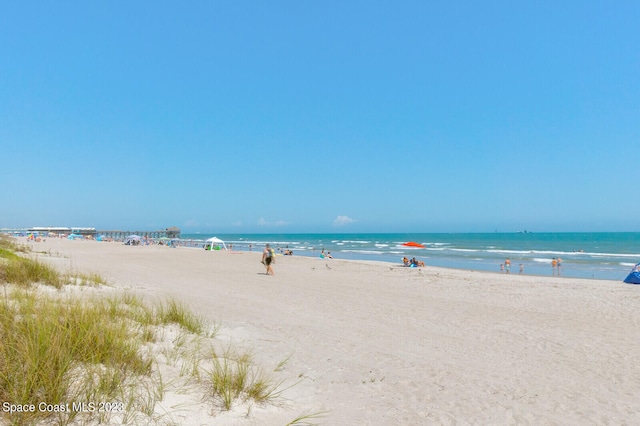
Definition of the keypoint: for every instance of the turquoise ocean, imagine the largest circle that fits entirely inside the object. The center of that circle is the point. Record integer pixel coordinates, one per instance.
(602, 255)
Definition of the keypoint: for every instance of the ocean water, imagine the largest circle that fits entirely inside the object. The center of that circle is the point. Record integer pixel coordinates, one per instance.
(584, 255)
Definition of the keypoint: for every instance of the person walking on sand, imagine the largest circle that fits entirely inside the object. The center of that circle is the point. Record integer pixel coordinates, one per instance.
(268, 257)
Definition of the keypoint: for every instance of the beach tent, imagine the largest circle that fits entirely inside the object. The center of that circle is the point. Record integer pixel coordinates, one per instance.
(215, 240)
(634, 275)
(74, 236)
(133, 239)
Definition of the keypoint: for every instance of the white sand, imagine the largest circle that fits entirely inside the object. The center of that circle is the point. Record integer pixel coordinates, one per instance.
(378, 344)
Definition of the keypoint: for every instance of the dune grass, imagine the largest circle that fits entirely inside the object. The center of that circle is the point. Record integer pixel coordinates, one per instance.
(306, 417)
(57, 350)
(65, 349)
(18, 269)
(22, 271)
(233, 377)
(62, 348)
(175, 312)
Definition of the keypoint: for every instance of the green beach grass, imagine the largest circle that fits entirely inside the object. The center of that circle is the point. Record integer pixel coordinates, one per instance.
(61, 349)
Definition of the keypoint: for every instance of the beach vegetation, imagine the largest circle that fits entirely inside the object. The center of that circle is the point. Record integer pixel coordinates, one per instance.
(306, 417)
(84, 279)
(280, 366)
(175, 312)
(8, 244)
(20, 270)
(234, 377)
(24, 272)
(58, 347)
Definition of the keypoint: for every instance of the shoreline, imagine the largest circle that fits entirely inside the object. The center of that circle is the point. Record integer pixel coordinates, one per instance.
(394, 263)
(602, 255)
(606, 259)
(375, 343)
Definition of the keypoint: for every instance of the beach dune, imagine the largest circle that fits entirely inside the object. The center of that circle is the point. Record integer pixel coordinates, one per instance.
(373, 343)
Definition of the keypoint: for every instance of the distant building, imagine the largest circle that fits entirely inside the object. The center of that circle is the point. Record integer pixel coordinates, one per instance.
(14, 231)
(58, 230)
(173, 232)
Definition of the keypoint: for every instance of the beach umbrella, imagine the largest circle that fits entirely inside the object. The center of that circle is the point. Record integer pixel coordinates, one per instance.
(413, 244)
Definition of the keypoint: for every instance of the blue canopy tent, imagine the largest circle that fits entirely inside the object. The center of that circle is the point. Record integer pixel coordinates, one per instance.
(634, 275)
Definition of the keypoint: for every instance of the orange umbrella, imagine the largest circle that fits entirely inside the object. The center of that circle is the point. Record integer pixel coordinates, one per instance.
(413, 244)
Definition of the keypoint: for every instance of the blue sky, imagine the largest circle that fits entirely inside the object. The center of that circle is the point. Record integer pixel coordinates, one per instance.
(297, 116)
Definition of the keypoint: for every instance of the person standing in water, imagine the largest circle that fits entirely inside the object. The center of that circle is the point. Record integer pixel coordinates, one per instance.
(558, 265)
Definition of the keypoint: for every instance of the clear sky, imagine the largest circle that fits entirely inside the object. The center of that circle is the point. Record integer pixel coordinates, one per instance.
(326, 116)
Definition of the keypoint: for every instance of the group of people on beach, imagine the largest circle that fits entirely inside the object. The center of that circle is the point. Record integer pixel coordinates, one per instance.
(506, 267)
(412, 263)
(326, 255)
(556, 264)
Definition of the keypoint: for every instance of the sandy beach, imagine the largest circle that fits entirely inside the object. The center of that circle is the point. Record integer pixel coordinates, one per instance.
(373, 343)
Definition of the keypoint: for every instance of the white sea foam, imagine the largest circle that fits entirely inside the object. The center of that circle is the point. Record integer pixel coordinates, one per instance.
(363, 251)
(510, 251)
(582, 253)
(611, 255)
